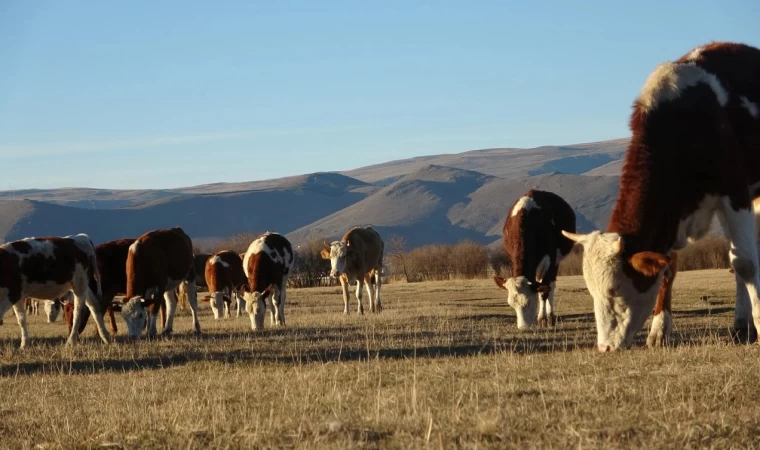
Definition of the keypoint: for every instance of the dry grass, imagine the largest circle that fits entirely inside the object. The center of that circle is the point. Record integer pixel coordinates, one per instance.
(443, 366)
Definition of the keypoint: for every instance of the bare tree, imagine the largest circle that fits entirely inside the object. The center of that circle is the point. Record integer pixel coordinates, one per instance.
(397, 247)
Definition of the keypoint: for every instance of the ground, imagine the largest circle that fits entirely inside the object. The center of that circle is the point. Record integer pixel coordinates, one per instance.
(443, 366)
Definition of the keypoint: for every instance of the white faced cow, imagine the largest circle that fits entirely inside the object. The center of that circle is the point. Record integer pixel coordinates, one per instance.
(695, 152)
(158, 262)
(224, 278)
(267, 264)
(46, 268)
(534, 243)
(358, 257)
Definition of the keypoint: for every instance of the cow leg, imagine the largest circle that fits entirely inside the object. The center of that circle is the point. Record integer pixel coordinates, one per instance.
(541, 318)
(359, 307)
(378, 283)
(94, 306)
(170, 299)
(370, 292)
(192, 300)
(740, 225)
(344, 286)
(21, 318)
(278, 305)
(550, 304)
(662, 321)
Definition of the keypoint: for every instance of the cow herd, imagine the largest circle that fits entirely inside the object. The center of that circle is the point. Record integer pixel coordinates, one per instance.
(72, 274)
(694, 155)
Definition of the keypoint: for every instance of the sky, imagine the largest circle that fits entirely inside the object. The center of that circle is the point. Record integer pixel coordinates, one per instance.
(160, 94)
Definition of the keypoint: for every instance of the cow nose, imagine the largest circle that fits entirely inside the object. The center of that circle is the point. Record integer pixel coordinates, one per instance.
(604, 347)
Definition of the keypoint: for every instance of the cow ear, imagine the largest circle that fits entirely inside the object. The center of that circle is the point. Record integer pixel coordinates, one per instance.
(115, 307)
(325, 253)
(649, 263)
(542, 268)
(500, 282)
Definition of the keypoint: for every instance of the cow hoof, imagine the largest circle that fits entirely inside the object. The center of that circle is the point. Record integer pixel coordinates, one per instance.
(379, 308)
(553, 320)
(658, 339)
(541, 322)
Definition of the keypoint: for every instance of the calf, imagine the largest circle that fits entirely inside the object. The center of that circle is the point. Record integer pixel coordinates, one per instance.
(267, 265)
(694, 153)
(358, 257)
(32, 306)
(112, 261)
(46, 268)
(224, 278)
(534, 243)
(158, 262)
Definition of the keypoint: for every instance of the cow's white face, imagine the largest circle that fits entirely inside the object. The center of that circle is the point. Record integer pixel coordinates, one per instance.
(52, 309)
(522, 298)
(255, 306)
(337, 256)
(135, 315)
(624, 291)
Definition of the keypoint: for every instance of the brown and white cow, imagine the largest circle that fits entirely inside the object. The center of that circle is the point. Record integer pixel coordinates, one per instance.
(267, 264)
(112, 261)
(695, 152)
(46, 268)
(158, 262)
(534, 243)
(224, 278)
(358, 257)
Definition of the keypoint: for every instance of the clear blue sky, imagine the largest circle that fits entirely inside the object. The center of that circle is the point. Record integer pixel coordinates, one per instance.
(173, 93)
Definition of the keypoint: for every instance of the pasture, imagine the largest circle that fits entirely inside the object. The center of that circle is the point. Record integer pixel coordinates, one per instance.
(442, 366)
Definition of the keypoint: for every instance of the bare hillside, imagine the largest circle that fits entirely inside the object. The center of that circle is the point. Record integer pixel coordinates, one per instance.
(505, 162)
(443, 204)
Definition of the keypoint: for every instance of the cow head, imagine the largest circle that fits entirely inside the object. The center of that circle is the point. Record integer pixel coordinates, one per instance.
(135, 312)
(624, 288)
(255, 306)
(337, 253)
(522, 296)
(52, 308)
(216, 301)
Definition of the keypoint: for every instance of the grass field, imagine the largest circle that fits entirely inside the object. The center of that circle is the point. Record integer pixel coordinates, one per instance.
(443, 366)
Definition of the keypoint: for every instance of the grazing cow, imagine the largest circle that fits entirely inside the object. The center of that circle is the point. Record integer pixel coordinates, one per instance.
(358, 257)
(534, 243)
(267, 265)
(46, 268)
(52, 308)
(112, 261)
(158, 262)
(695, 152)
(224, 278)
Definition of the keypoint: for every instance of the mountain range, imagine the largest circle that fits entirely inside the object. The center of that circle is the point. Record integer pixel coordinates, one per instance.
(431, 199)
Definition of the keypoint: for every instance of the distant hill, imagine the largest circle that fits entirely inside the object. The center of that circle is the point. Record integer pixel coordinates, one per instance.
(442, 204)
(441, 198)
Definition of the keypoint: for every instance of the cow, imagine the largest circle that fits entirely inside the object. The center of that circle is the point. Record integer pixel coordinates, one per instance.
(224, 278)
(46, 268)
(358, 256)
(158, 262)
(267, 265)
(112, 261)
(534, 243)
(694, 153)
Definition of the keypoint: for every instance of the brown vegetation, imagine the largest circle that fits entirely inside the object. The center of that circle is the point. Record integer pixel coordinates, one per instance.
(443, 366)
